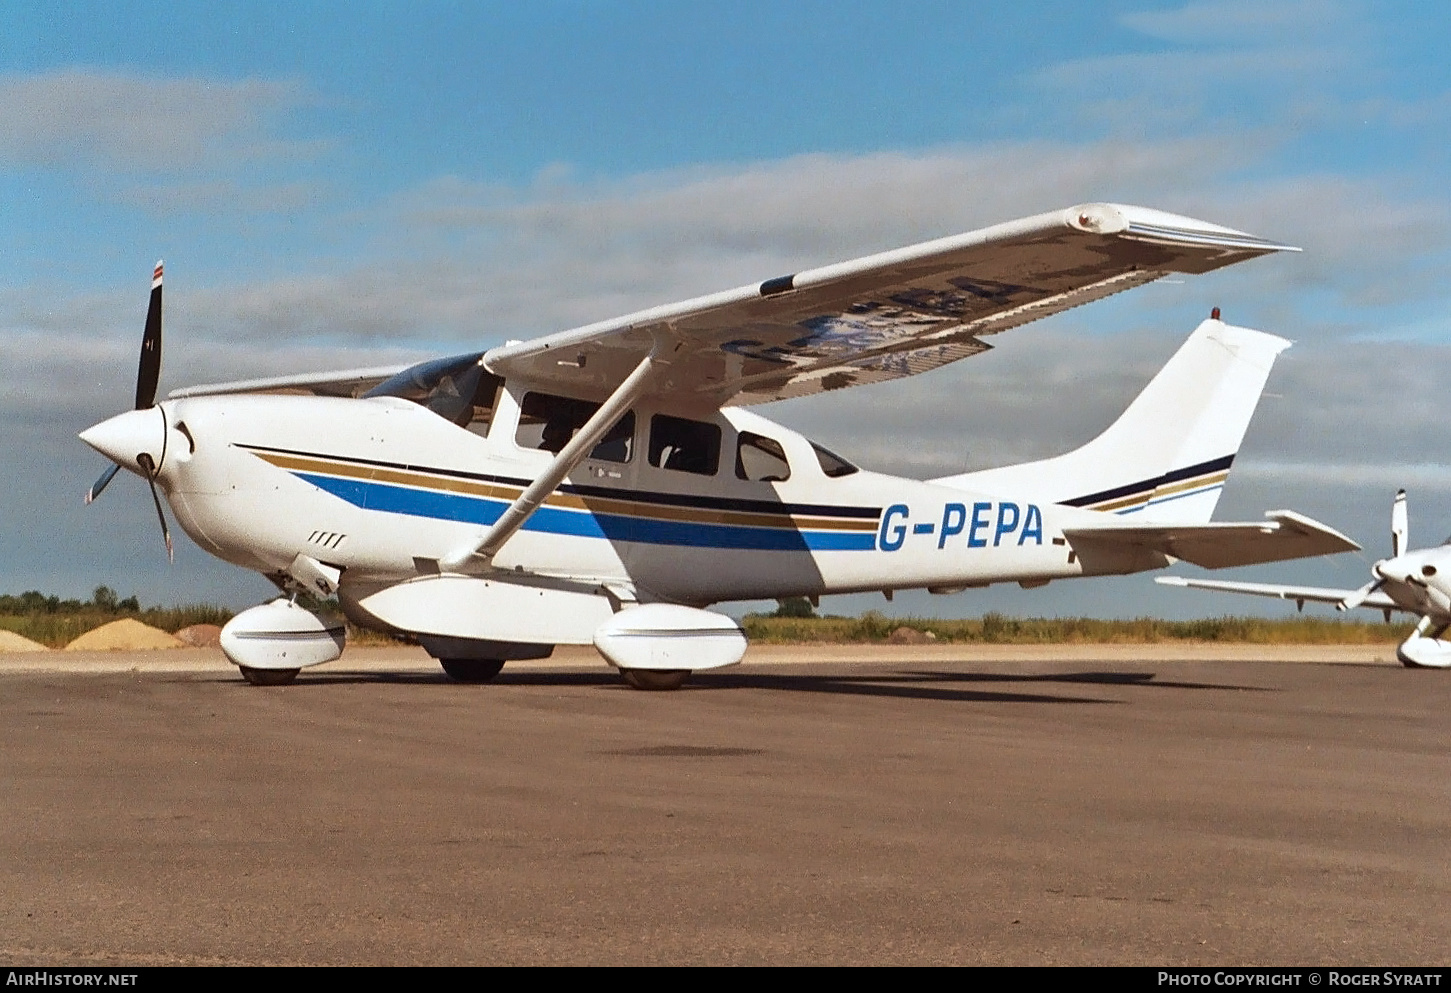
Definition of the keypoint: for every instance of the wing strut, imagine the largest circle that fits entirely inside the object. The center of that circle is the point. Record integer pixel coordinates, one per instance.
(571, 455)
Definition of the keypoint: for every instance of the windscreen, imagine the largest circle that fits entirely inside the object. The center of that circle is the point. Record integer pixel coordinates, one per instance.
(457, 389)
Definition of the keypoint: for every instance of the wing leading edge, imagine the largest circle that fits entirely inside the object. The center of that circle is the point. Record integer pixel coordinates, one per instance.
(880, 317)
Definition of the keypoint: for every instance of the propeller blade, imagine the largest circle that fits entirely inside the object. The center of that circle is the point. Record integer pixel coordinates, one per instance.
(1358, 597)
(1400, 526)
(101, 483)
(149, 371)
(144, 460)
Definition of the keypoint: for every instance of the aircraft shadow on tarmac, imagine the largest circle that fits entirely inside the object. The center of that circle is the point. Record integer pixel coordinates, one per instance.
(922, 685)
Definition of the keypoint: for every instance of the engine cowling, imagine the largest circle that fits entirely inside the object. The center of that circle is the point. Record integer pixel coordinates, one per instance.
(282, 635)
(668, 636)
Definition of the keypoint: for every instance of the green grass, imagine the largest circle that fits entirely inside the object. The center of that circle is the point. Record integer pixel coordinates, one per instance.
(996, 629)
(59, 629)
(55, 623)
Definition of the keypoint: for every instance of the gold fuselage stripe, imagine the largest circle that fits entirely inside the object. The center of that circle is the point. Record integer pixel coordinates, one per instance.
(1144, 496)
(592, 504)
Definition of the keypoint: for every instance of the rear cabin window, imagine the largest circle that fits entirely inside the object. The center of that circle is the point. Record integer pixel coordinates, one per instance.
(458, 389)
(684, 445)
(547, 422)
(761, 459)
(832, 465)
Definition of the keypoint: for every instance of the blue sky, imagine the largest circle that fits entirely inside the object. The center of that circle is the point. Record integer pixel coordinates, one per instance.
(349, 184)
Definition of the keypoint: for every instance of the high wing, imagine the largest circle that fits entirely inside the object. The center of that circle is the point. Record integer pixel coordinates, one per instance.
(872, 319)
(1284, 535)
(347, 383)
(881, 317)
(1300, 594)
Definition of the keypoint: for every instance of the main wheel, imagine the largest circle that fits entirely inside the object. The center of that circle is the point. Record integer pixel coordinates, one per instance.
(656, 679)
(472, 670)
(267, 677)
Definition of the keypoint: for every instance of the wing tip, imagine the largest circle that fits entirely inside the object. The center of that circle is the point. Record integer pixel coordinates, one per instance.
(1152, 224)
(1307, 525)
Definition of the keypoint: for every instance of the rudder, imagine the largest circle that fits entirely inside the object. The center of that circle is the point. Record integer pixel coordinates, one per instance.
(1168, 455)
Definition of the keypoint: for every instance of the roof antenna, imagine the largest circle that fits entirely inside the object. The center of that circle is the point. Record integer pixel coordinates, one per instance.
(1214, 314)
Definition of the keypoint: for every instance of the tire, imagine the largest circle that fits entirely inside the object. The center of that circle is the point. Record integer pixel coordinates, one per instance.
(1408, 662)
(268, 677)
(655, 679)
(472, 670)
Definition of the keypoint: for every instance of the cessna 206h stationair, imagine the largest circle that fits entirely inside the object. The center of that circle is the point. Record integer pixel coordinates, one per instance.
(606, 484)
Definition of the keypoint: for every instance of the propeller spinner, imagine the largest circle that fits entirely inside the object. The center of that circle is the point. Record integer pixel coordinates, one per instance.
(138, 437)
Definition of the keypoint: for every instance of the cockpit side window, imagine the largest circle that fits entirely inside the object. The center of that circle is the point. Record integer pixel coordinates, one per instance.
(684, 445)
(832, 465)
(547, 422)
(761, 459)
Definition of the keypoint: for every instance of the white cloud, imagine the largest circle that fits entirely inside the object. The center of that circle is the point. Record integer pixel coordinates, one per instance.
(456, 263)
(1236, 21)
(1285, 73)
(99, 119)
(479, 262)
(1387, 474)
(812, 205)
(228, 195)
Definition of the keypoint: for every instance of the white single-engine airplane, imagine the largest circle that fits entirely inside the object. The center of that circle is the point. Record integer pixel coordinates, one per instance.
(1416, 581)
(604, 485)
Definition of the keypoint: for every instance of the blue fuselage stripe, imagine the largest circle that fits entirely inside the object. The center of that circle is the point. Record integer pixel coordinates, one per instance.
(483, 511)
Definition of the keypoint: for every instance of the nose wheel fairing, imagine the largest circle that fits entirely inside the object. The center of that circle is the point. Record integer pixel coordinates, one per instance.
(1425, 649)
(282, 636)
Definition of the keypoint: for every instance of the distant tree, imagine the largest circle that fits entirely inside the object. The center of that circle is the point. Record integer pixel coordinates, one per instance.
(794, 606)
(36, 602)
(129, 605)
(104, 598)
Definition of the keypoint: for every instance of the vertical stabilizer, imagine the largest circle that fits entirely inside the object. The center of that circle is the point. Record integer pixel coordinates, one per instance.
(1168, 455)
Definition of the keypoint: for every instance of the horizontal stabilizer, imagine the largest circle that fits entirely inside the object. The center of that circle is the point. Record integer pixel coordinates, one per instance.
(1312, 594)
(1284, 535)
